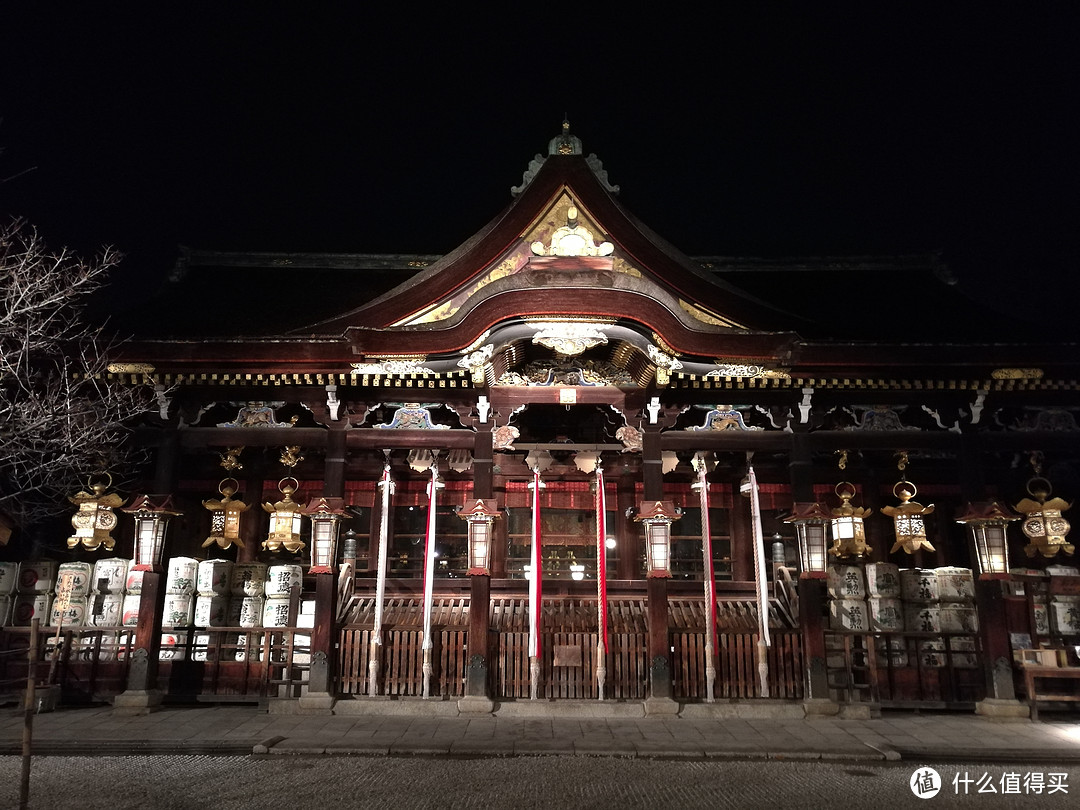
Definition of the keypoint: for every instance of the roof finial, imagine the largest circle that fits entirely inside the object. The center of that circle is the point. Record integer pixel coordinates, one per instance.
(565, 143)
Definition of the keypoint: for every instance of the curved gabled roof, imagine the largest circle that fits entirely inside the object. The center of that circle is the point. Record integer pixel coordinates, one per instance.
(501, 249)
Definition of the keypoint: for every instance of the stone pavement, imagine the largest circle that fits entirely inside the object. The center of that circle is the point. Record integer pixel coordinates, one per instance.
(416, 727)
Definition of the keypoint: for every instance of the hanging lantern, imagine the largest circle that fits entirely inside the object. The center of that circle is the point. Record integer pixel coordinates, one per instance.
(846, 523)
(285, 520)
(987, 523)
(1043, 523)
(908, 519)
(95, 520)
(225, 516)
(657, 516)
(152, 514)
(810, 520)
(326, 515)
(481, 513)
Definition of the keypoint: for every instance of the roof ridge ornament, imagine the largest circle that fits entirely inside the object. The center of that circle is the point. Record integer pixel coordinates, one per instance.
(572, 239)
(564, 144)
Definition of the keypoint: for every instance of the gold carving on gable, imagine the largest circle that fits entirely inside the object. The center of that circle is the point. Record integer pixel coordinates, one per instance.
(711, 318)
(1017, 374)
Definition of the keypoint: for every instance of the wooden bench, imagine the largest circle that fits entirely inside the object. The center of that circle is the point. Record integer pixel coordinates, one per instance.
(1034, 674)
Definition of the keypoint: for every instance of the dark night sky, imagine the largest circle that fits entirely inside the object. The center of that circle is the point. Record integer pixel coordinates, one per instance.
(761, 131)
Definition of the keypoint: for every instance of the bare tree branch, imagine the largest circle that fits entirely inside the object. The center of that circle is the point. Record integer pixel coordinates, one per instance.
(59, 420)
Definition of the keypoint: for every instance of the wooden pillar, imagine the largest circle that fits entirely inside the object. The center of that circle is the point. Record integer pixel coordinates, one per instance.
(742, 536)
(997, 651)
(334, 463)
(657, 588)
(477, 674)
(627, 533)
(142, 694)
(323, 663)
(253, 522)
(167, 462)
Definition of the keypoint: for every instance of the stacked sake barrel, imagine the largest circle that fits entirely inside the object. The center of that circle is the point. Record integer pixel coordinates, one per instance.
(34, 592)
(941, 601)
(281, 580)
(69, 607)
(1063, 607)
(886, 612)
(105, 608)
(247, 585)
(847, 598)
(9, 578)
(212, 602)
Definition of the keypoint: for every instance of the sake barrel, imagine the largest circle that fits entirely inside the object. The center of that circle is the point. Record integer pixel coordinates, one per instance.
(281, 578)
(919, 585)
(922, 618)
(848, 614)
(199, 647)
(129, 616)
(37, 576)
(883, 579)
(9, 577)
(1041, 613)
(932, 653)
(30, 606)
(964, 652)
(886, 614)
(846, 582)
(892, 651)
(249, 647)
(245, 611)
(110, 574)
(958, 617)
(179, 610)
(182, 574)
(74, 577)
(133, 583)
(955, 584)
(105, 610)
(276, 612)
(213, 577)
(5, 610)
(248, 579)
(70, 612)
(1064, 614)
(173, 647)
(211, 611)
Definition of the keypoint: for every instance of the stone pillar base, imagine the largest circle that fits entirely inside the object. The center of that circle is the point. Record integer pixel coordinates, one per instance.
(317, 704)
(661, 706)
(820, 707)
(476, 705)
(997, 709)
(137, 701)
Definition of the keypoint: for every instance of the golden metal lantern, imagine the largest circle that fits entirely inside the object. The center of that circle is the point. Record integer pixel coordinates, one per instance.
(987, 522)
(908, 519)
(810, 520)
(285, 520)
(480, 513)
(95, 520)
(846, 524)
(657, 517)
(326, 515)
(225, 516)
(152, 514)
(1043, 523)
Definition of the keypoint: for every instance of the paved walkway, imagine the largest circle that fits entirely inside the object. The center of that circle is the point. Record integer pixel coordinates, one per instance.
(404, 728)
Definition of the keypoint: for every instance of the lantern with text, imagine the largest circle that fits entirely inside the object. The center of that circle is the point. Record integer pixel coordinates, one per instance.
(846, 523)
(480, 513)
(810, 520)
(152, 514)
(657, 517)
(1043, 523)
(908, 519)
(987, 523)
(225, 516)
(95, 520)
(326, 515)
(285, 520)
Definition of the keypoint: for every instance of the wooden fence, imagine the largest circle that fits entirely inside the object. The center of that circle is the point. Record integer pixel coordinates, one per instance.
(737, 666)
(401, 662)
